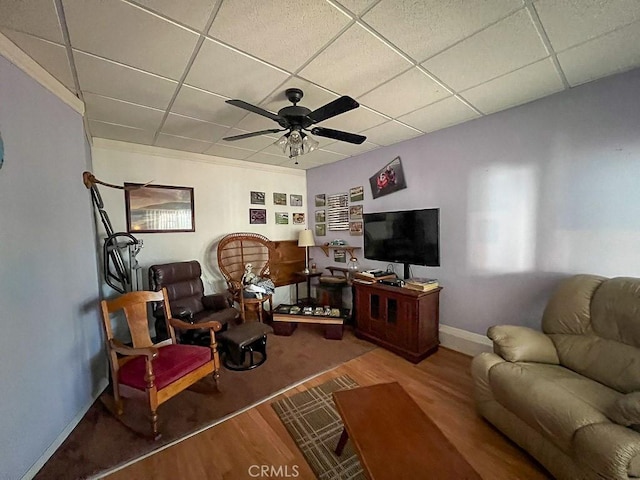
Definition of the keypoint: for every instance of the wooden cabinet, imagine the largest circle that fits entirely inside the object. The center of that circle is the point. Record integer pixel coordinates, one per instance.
(399, 319)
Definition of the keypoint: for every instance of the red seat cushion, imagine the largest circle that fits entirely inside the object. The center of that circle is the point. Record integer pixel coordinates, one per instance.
(173, 362)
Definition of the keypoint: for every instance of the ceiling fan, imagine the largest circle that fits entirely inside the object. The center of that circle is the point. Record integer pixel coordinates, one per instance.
(298, 120)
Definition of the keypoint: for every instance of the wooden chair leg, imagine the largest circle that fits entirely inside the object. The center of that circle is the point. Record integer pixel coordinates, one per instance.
(216, 360)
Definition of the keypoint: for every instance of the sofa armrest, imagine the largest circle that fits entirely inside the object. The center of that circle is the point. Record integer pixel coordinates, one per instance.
(217, 301)
(522, 344)
(611, 450)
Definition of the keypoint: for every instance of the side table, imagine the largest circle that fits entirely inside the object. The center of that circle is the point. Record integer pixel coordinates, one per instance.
(306, 277)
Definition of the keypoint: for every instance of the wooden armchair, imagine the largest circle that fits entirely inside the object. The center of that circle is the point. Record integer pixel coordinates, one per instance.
(154, 372)
(235, 251)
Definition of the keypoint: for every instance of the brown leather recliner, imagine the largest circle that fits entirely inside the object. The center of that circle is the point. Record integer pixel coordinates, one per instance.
(188, 301)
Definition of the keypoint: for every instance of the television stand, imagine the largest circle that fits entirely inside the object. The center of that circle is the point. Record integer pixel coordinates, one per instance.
(399, 319)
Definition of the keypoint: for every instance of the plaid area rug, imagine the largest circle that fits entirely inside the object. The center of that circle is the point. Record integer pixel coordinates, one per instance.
(315, 425)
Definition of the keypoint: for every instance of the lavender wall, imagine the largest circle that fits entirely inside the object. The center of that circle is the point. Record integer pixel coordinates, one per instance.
(51, 359)
(527, 196)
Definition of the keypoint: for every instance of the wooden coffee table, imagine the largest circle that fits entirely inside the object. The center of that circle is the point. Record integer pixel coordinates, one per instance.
(394, 438)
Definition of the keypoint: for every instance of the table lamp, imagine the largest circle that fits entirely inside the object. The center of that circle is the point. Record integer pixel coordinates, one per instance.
(306, 240)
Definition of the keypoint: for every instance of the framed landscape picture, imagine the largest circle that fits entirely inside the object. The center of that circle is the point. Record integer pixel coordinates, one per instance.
(295, 200)
(321, 200)
(279, 198)
(355, 212)
(355, 228)
(257, 198)
(321, 216)
(356, 194)
(321, 229)
(282, 218)
(159, 208)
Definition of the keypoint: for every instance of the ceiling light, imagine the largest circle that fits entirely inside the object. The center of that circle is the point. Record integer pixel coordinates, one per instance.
(296, 143)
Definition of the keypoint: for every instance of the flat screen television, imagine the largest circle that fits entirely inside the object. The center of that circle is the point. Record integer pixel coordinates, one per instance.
(411, 237)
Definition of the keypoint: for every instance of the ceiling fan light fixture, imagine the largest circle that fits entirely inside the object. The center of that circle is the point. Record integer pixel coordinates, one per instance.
(296, 143)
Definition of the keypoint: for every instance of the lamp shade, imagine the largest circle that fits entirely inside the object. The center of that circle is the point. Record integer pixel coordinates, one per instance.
(306, 239)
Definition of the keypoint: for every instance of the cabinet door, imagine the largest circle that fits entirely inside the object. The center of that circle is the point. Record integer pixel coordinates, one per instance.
(401, 322)
(363, 309)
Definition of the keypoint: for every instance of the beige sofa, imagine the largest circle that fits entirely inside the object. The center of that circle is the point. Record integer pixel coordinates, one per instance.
(570, 396)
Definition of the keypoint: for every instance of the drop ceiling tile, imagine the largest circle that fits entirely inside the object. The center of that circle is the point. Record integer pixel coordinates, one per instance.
(350, 149)
(442, 114)
(251, 143)
(180, 126)
(276, 31)
(206, 106)
(355, 63)
(110, 110)
(515, 88)
(115, 80)
(390, 133)
(570, 23)
(181, 143)
(405, 93)
(612, 53)
(127, 34)
(262, 157)
(226, 151)
(194, 13)
(499, 49)
(427, 27)
(356, 6)
(220, 70)
(51, 56)
(36, 17)
(321, 157)
(121, 133)
(354, 120)
(301, 165)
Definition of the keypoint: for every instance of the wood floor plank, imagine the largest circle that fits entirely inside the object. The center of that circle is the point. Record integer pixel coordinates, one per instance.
(441, 385)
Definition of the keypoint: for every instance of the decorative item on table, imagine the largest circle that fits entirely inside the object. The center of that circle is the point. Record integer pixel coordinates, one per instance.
(254, 286)
(327, 310)
(295, 200)
(314, 267)
(356, 194)
(318, 311)
(335, 312)
(305, 239)
(389, 179)
(308, 310)
(353, 267)
(294, 310)
(421, 284)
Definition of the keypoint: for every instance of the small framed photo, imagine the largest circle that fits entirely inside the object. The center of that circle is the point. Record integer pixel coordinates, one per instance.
(295, 200)
(282, 218)
(257, 216)
(355, 228)
(321, 229)
(257, 198)
(321, 216)
(340, 256)
(355, 212)
(159, 208)
(356, 194)
(321, 200)
(279, 198)
(298, 218)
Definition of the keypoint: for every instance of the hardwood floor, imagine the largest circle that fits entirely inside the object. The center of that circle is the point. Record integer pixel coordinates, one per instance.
(440, 384)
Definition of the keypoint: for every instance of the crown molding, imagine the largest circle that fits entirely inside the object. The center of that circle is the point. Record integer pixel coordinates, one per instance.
(28, 65)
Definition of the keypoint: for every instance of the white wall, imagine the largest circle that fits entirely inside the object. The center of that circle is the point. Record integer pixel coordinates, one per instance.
(527, 196)
(51, 360)
(221, 196)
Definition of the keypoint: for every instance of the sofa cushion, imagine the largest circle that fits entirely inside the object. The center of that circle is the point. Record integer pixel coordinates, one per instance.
(551, 399)
(626, 410)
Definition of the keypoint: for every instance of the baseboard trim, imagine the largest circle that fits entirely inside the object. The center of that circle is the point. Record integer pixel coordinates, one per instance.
(35, 468)
(463, 341)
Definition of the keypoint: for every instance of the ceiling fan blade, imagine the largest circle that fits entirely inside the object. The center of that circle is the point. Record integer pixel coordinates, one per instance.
(254, 109)
(331, 109)
(338, 135)
(254, 134)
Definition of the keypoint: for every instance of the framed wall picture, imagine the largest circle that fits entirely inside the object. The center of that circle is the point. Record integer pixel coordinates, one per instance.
(388, 179)
(355, 228)
(321, 229)
(257, 216)
(321, 200)
(279, 198)
(159, 208)
(338, 211)
(282, 218)
(257, 198)
(295, 200)
(356, 194)
(321, 216)
(355, 212)
(298, 218)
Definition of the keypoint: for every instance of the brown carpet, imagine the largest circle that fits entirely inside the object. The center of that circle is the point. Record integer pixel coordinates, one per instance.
(313, 422)
(100, 442)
